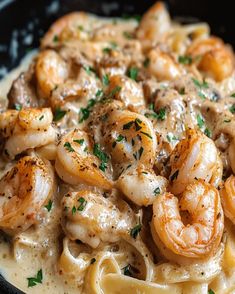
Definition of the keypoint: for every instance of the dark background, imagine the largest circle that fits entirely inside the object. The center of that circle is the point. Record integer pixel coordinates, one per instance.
(27, 20)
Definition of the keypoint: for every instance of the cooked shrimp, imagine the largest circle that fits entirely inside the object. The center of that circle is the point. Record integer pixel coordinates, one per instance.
(141, 185)
(91, 218)
(228, 198)
(130, 138)
(162, 65)
(194, 157)
(76, 162)
(24, 191)
(25, 129)
(75, 25)
(50, 71)
(154, 26)
(126, 90)
(215, 58)
(202, 234)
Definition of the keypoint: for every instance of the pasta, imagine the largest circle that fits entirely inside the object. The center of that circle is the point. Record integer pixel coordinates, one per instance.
(118, 159)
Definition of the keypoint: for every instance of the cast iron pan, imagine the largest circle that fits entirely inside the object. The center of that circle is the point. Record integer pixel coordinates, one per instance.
(27, 20)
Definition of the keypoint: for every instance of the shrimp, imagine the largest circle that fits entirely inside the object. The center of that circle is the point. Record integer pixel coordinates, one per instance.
(202, 234)
(130, 138)
(25, 129)
(162, 65)
(154, 26)
(50, 71)
(228, 198)
(91, 218)
(75, 25)
(196, 156)
(130, 92)
(76, 162)
(141, 185)
(216, 59)
(24, 190)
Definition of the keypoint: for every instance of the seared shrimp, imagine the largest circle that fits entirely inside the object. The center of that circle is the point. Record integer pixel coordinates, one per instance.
(228, 198)
(75, 25)
(202, 234)
(154, 26)
(91, 218)
(24, 190)
(25, 129)
(51, 71)
(76, 162)
(130, 138)
(130, 92)
(141, 185)
(194, 157)
(215, 58)
(162, 65)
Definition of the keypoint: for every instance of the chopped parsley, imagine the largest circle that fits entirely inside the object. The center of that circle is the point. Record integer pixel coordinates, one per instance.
(83, 203)
(99, 93)
(59, 114)
(137, 17)
(81, 28)
(151, 106)
(233, 95)
(187, 60)
(103, 157)
(114, 92)
(137, 123)
(79, 141)
(157, 191)
(41, 117)
(18, 107)
(174, 176)
(68, 147)
(199, 84)
(181, 91)
(120, 138)
(74, 210)
(232, 109)
(146, 62)
(33, 281)
(159, 115)
(135, 231)
(84, 113)
(93, 260)
(107, 50)
(133, 73)
(210, 291)
(89, 70)
(200, 121)
(128, 35)
(49, 205)
(201, 95)
(105, 80)
(55, 39)
(207, 132)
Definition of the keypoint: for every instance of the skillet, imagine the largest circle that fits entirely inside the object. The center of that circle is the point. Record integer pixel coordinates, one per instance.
(23, 23)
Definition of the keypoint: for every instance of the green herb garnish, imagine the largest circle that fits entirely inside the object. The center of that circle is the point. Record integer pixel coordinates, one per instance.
(59, 114)
(232, 108)
(187, 60)
(68, 146)
(157, 191)
(200, 121)
(18, 107)
(49, 205)
(199, 84)
(103, 157)
(33, 281)
(83, 203)
(133, 73)
(79, 141)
